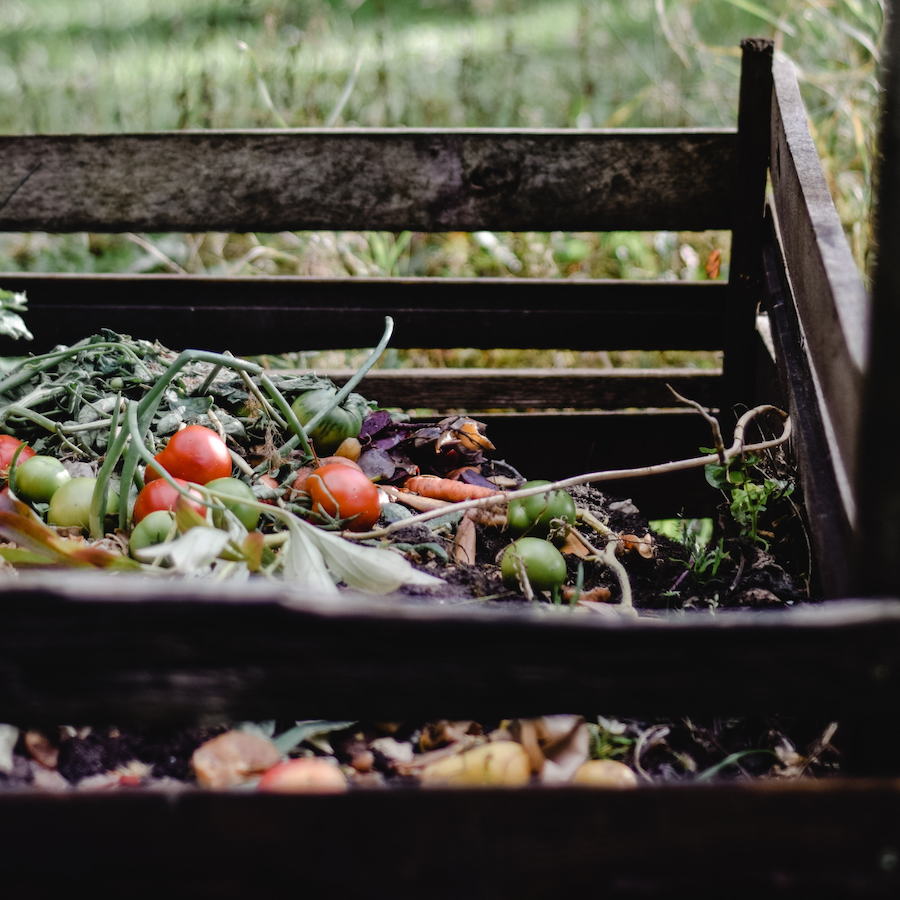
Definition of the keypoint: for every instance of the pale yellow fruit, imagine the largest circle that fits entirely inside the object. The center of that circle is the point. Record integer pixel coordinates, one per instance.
(496, 763)
(605, 773)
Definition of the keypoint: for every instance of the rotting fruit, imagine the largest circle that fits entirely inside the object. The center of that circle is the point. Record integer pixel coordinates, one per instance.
(342, 422)
(544, 565)
(195, 453)
(343, 492)
(534, 515)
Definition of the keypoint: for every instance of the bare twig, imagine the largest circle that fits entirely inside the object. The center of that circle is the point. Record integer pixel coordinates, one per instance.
(713, 421)
(736, 449)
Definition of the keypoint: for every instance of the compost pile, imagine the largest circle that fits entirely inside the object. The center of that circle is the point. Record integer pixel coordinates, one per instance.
(256, 474)
(197, 464)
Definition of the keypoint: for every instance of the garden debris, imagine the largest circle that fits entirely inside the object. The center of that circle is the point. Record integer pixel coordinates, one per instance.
(548, 750)
(233, 758)
(306, 775)
(605, 773)
(498, 763)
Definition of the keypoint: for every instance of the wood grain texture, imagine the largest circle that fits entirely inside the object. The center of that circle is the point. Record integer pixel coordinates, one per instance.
(744, 274)
(81, 649)
(382, 179)
(801, 839)
(830, 299)
(482, 389)
(825, 503)
(256, 315)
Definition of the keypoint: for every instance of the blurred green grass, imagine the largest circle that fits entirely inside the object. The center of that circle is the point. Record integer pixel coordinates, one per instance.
(143, 65)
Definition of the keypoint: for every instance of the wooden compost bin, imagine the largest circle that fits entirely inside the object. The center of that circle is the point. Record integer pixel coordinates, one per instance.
(93, 649)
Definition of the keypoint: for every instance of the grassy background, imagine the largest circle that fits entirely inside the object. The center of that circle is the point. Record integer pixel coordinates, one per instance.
(142, 65)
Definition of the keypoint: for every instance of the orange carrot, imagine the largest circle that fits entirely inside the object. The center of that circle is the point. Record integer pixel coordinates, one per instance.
(446, 488)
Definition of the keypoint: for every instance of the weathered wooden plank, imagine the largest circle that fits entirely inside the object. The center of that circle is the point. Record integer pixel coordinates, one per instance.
(826, 510)
(386, 179)
(803, 839)
(83, 649)
(877, 479)
(484, 389)
(831, 301)
(754, 115)
(253, 315)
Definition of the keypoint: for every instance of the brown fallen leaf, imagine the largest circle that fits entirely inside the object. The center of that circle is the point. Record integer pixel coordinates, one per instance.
(642, 545)
(598, 594)
(574, 546)
(713, 263)
(233, 758)
(556, 745)
(447, 731)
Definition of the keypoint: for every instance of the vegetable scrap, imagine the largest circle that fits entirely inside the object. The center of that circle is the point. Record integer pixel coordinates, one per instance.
(325, 757)
(126, 455)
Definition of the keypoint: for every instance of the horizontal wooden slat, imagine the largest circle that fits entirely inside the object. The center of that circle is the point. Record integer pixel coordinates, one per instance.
(85, 649)
(251, 315)
(481, 389)
(829, 296)
(387, 179)
(801, 839)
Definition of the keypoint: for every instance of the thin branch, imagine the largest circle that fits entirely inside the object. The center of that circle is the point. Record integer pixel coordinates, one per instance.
(713, 421)
(736, 449)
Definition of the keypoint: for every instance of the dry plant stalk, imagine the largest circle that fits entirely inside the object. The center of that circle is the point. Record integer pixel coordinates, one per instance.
(502, 498)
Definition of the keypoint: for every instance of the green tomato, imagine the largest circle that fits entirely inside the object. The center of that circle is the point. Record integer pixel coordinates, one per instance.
(534, 514)
(71, 504)
(544, 564)
(234, 487)
(153, 529)
(341, 423)
(39, 478)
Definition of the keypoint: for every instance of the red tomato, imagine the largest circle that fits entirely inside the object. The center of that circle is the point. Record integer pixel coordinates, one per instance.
(159, 494)
(8, 447)
(195, 453)
(344, 492)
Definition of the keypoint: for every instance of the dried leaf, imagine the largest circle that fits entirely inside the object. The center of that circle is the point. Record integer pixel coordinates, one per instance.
(370, 569)
(574, 546)
(304, 563)
(190, 552)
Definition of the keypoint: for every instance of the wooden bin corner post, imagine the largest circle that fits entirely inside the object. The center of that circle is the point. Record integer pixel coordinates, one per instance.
(877, 546)
(745, 275)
